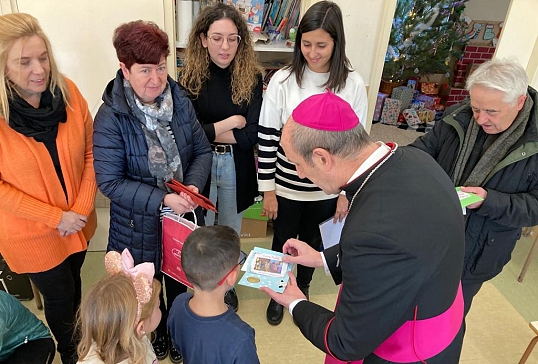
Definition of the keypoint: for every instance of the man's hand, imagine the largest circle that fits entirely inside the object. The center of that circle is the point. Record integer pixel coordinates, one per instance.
(270, 205)
(342, 206)
(301, 253)
(479, 191)
(290, 294)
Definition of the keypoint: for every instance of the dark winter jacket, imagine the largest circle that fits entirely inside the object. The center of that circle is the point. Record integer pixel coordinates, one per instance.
(492, 230)
(400, 256)
(122, 170)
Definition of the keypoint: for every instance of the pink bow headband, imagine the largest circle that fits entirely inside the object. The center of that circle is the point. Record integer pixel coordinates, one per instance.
(141, 275)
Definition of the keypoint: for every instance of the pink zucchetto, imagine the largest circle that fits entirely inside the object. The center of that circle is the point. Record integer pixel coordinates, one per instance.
(326, 111)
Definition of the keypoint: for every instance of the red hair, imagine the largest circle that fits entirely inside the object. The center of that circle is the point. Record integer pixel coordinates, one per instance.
(140, 42)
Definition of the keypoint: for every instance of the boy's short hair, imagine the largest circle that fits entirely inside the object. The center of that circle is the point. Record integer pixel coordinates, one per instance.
(208, 253)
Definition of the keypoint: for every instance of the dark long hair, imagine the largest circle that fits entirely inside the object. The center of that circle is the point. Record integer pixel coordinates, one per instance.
(324, 15)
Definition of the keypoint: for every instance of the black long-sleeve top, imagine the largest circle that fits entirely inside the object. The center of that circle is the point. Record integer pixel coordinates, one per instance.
(213, 104)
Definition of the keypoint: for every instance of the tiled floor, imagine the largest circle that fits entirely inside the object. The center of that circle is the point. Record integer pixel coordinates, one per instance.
(496, 332)
(497, 329)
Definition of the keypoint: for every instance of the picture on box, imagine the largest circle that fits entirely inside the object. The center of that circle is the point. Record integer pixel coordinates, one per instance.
(270, 265)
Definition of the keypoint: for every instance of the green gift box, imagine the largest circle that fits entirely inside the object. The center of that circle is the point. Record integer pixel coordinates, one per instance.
(255, 212)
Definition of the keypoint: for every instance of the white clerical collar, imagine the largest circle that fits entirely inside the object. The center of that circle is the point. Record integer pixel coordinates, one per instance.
(375, 157)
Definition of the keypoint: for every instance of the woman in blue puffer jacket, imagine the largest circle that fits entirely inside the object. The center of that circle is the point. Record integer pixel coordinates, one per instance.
(146, 133)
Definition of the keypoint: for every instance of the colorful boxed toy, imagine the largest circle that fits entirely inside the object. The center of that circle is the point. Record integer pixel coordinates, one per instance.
(411, 117)
(426, 115)
(436, 102)
(379, 105)
(429, 101)
(429, 88)
(252, 11)
(404, 94)
(417, 104)
(391, 111)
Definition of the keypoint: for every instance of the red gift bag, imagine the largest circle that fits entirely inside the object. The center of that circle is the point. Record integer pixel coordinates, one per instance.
(175, 231)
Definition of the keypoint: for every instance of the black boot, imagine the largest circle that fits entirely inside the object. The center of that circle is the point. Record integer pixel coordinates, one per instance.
(230, 298)
(275, 313)
(175, 356)
(159, 342)
(305, 288)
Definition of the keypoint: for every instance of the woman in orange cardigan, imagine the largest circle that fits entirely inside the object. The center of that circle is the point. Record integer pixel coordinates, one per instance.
(47, 182)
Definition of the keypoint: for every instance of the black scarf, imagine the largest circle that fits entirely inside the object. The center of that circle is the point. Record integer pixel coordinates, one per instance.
(41, 123)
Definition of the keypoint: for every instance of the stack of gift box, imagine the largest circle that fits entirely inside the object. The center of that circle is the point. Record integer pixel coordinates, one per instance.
(410, 107)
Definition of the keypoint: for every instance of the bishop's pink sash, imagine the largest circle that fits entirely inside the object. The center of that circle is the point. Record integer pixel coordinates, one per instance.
(415, 340)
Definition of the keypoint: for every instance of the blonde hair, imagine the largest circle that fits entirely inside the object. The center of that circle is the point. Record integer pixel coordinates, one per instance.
(23, 26)
(244, 66)
(107, 319)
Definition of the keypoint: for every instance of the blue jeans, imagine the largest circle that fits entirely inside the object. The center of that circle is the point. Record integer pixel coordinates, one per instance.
(223, 191)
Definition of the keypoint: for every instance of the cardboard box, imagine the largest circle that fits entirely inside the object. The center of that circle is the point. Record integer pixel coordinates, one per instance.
(254, 224)
(251, 228)
(255, 212)
(434, 82)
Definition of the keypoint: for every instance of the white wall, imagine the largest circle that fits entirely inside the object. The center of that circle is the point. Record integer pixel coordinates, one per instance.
(494, 10)
(367, 25)
(519, 37)
(361, 24)
(80, 32)
(532, 68)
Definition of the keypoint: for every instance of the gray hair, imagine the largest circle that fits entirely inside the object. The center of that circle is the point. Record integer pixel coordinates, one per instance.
(505, 75)
(344, 144)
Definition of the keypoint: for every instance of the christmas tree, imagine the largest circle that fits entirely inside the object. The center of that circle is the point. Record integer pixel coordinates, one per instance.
(425, 36)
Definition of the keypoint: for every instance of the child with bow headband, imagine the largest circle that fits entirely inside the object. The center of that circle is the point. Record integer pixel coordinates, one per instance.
(118, 311)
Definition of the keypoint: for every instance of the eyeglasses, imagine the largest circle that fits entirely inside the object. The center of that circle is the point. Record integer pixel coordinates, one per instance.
(242, 258)
(217, 39)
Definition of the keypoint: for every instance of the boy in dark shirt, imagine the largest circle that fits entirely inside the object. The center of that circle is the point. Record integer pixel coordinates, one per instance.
(202, 327)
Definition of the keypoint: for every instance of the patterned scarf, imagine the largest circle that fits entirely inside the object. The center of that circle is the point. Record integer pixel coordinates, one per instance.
(163, 155)
(495, 153)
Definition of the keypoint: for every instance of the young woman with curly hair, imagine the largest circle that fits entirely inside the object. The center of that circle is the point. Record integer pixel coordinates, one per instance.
(223, 80)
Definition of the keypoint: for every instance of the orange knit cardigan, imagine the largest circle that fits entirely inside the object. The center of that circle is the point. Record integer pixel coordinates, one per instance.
(32, 198)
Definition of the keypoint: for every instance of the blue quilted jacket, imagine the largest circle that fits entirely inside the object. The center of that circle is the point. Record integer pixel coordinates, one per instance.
(121, 167)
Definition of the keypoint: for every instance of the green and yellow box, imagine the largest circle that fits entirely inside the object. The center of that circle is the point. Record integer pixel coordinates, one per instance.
(254, 224)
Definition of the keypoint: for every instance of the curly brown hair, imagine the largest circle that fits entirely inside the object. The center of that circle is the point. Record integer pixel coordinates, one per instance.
(244, 66)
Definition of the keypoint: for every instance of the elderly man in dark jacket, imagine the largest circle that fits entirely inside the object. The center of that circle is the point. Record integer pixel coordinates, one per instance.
(489, 144)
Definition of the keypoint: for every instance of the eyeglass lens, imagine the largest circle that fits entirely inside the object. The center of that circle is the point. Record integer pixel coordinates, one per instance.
(217, 39)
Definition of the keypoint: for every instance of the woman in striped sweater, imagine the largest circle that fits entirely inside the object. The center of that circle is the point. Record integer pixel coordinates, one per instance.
(296, 205)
